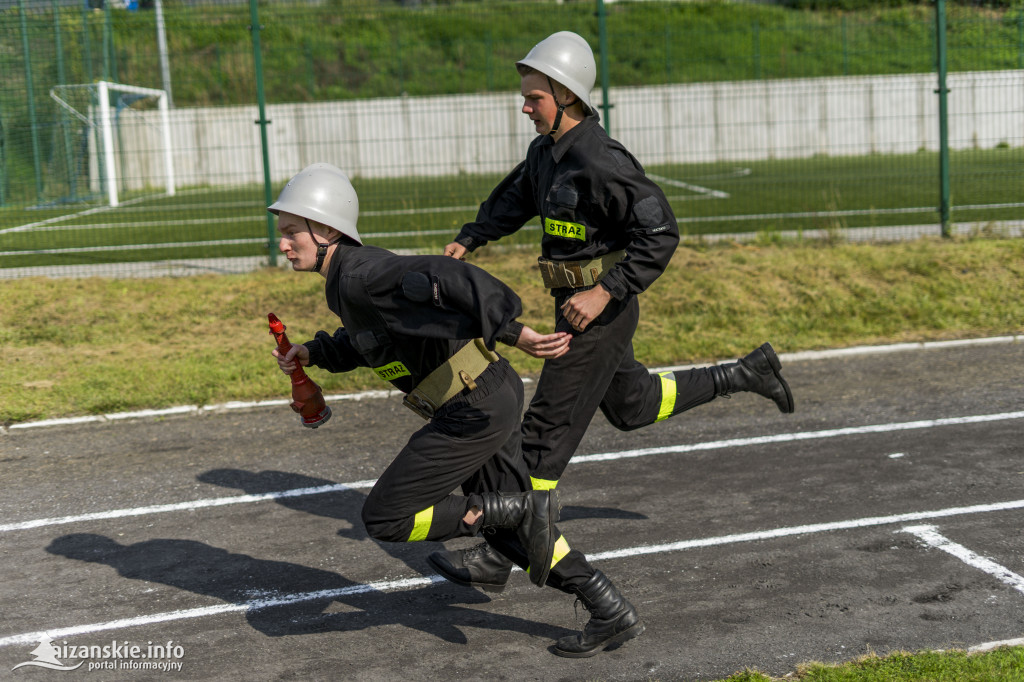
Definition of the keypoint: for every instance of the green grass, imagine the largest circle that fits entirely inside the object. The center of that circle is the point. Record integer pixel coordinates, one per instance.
(763, 197)
(92, 346)
(1005, 664)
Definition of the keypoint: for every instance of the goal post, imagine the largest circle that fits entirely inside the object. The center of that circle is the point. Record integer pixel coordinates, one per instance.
(107, 134)
(91, 105)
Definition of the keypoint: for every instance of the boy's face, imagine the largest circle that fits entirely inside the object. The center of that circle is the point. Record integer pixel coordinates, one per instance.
(296, 243)
(538, 102)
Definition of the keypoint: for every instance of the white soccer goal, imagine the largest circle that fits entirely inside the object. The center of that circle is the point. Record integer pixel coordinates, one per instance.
(115, 143)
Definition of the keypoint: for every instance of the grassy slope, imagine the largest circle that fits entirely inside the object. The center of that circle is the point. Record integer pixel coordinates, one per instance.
(78, 347)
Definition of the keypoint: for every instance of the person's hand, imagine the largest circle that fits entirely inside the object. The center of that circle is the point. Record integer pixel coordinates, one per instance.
(584, 307)
(298, 355)
(546, 346)
(456, 251)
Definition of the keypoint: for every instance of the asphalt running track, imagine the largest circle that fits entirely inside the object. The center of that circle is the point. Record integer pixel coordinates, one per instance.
(883, 515)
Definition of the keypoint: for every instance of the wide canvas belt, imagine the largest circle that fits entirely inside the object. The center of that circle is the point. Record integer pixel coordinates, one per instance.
(573, 274)
(448, 380)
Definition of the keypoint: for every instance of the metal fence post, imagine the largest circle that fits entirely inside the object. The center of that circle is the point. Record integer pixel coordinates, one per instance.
(755, 36)
(86, 45)
(255, 29)
(31, 100)
(846, 48)
(108, 45)
(63, 123)
(1020, 39)
(602, 33)
(940, 47)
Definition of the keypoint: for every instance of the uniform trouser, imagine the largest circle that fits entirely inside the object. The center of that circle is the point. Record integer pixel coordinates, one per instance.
(600, 371)
(473, 441)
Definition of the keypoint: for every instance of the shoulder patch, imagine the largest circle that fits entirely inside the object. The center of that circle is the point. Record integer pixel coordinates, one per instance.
(648, 212)
(416, 287)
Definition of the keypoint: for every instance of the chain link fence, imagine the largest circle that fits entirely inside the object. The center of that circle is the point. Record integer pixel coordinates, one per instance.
(147, 137)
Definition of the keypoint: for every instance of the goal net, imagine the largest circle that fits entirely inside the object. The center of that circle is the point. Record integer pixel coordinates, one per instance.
(110, 140)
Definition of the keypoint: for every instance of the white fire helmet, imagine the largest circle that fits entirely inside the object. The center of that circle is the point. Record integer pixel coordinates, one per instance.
(323, 193)
(567, 58)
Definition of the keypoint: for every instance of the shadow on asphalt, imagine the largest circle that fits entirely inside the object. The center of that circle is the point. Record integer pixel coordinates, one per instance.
(245, 580)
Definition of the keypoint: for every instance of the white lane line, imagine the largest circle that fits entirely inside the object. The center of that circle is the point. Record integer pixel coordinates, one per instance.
(809, 529)
(203, 611)
(802, 435)
(583, 459)
(931, 536)
(186, 506)
(387, 393)
(989, 646)
(422, 581)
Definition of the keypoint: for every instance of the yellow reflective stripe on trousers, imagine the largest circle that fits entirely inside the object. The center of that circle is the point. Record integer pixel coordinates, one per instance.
(421, 526)
(668, 395)
(542, 484)
(561, 549)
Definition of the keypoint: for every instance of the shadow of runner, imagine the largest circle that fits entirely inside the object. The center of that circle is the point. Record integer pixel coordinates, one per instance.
(305, 592)
(344, 505)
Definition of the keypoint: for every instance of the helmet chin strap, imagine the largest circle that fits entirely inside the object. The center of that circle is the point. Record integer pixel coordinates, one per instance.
(321, 248)
(561, 108)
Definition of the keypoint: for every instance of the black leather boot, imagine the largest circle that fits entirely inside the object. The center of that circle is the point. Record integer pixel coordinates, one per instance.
(482, 566)
(758, 372)
(613, 620)
(533, 515)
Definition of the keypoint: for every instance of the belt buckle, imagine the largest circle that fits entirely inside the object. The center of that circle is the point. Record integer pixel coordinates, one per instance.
(419, 403)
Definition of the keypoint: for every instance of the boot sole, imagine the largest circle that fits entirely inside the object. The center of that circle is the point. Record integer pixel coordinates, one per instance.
(629, 633)
(443, 572)
(773, 361)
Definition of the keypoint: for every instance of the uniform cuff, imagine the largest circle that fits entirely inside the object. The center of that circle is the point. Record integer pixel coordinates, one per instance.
(511, 335)
(617, 290)
(316, 353)
(469, 242)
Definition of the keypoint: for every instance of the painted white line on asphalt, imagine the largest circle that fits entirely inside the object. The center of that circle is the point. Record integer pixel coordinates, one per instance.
(806, 530)
(931, 536)
(186, 506)
(366, 395)
(989, 646)
(216, 610)
(802, 435)
(423, 581)
(583, 459)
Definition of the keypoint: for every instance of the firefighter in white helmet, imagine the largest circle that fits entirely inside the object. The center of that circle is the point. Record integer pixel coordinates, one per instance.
(608, 234)
(429, 326)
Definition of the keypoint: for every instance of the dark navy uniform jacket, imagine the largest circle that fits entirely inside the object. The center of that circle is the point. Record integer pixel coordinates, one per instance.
(593, 198)
(404, 316)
